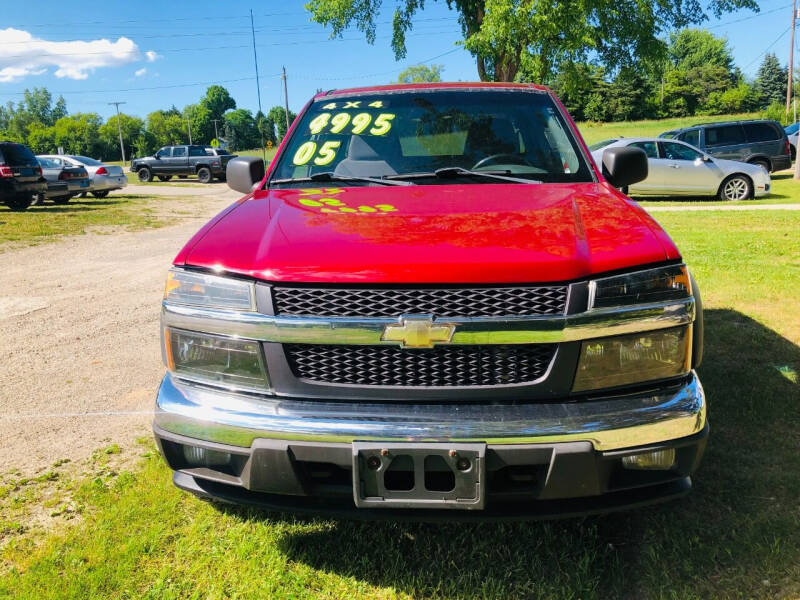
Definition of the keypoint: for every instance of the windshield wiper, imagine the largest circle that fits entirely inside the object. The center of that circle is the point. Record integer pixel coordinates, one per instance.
(329, 176)
(453, 172)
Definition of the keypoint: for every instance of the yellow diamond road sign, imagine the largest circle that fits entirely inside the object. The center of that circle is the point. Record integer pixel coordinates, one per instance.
(418, 332)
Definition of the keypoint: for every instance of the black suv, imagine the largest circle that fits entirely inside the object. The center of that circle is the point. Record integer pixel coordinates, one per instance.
(204, 161)
(20, 176)
(761, 142)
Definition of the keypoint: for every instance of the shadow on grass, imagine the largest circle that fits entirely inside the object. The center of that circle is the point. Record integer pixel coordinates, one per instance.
(735, 535)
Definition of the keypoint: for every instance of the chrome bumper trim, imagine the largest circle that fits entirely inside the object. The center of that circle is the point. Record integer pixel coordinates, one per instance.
(608, 423)
(537, 329)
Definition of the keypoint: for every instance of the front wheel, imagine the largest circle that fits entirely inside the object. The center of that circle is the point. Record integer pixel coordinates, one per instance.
(165, 177)
(204, 175)
(19, 203)
(61, 199)
(100, 194)
(736, 187)
(145, 176)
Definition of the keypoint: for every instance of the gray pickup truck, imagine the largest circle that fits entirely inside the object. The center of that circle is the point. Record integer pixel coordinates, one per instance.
(206, 162)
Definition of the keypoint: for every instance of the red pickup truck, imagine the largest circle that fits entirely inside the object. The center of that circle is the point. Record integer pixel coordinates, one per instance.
(433, 299)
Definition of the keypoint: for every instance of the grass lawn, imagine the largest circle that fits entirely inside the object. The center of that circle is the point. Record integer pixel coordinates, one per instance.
(46, 222)
(595, 132)
(736, 536)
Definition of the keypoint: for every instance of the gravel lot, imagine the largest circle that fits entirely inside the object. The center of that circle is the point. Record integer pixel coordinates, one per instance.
(79, 330)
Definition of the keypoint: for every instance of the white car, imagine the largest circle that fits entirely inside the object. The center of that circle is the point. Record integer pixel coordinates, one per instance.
(102, 178)
(679, 169)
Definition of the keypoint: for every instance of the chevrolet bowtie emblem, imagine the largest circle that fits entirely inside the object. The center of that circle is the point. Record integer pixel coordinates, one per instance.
(418, 332)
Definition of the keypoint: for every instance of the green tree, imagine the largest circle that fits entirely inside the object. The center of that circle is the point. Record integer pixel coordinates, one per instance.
(627, 96)
(42, 138)
(771, 80)
(79, 134)
(421, 74)
(165, 128)
(266, 128)
(217, 100)
(692, 48)
(200, 118)
(277, 115)
(506, 36)
(132, 128)
(240, 130)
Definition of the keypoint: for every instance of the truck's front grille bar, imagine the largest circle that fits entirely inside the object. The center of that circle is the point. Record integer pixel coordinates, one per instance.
(442, 302)
(442, 366)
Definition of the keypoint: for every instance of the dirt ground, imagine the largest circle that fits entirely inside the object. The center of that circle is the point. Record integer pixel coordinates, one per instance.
(79, 335)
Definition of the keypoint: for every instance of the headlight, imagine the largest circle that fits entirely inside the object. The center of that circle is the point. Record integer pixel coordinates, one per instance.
(213, 359)
(640, 357)
(641, 287)
(210, 291)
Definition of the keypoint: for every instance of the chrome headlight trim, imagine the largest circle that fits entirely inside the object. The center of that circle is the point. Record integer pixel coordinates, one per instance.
(536, 329)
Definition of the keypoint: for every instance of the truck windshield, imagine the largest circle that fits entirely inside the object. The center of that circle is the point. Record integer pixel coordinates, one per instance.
(414, 134)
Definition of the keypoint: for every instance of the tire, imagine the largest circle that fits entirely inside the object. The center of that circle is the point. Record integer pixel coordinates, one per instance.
(164, 177)
(62, 199)
(204, 175)
(736, 187)
(761, 163)
(101, 194)
(145, 176)
(19, 203)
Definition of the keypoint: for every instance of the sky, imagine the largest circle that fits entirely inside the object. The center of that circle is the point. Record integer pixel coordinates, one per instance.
(152, 55)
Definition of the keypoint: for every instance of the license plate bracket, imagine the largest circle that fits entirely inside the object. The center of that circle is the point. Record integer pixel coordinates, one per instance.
(419, 475)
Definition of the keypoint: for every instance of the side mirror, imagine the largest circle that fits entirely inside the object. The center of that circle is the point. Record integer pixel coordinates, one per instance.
(624, 166)
(706, 158)
(244, 173)
(156, 156)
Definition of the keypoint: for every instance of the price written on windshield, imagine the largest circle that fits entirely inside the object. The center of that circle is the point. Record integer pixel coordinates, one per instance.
(359, 123)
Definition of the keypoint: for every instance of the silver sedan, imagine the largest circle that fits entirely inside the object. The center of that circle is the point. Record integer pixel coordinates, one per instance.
(102, 178)
(679, 169)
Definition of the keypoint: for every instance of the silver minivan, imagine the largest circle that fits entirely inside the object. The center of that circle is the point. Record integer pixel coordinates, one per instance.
(759, 142)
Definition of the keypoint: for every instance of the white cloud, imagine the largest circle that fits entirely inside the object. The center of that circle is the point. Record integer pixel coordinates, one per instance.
(22, 54)
(140, 72)
(152, 56)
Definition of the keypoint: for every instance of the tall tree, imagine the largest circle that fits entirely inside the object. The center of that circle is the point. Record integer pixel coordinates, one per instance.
(771, 80)
(240, 130)
(277, 114)
(693, 48)
(421, 74)
(217, 100)
(505, 35)
(132, 128)
(200, 118)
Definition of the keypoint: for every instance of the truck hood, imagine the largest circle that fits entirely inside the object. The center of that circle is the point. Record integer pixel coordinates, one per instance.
(470, 233)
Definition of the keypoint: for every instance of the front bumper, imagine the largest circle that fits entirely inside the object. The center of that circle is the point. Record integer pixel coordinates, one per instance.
(543, 459)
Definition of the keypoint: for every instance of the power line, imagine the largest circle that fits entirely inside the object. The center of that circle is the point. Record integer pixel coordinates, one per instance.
(761, 14)
(775, 41)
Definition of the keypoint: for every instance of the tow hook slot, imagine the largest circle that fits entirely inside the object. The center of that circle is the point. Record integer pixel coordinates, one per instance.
(409, 475)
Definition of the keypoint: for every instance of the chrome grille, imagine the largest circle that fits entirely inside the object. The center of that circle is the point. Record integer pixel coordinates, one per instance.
(442, 302)
(441, 366)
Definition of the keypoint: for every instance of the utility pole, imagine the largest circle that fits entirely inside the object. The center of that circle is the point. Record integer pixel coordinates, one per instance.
(258, 84)
(216, 135)
(119, 129)
(286, 97)
(189, 125)
(791, 59)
